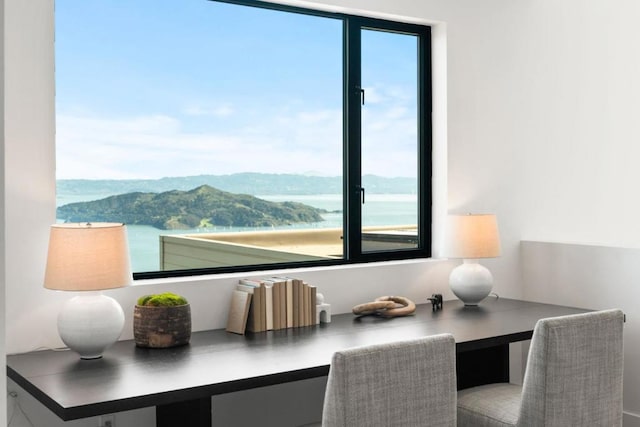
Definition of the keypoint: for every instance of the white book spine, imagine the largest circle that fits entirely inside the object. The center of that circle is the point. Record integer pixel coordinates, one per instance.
(289, 287)
(269, 305)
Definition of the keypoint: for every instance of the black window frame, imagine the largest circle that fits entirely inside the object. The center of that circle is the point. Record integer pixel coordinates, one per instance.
(352, 185)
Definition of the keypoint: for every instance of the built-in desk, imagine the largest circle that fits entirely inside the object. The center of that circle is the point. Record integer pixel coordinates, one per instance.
(181, 381)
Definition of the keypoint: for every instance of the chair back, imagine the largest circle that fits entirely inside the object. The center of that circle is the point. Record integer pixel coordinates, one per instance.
(406, 383)
(574, 372)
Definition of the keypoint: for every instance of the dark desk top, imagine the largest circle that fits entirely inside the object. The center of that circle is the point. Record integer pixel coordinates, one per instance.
(217, 362)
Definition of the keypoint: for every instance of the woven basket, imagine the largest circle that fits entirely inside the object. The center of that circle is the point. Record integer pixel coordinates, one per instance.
(162, 327)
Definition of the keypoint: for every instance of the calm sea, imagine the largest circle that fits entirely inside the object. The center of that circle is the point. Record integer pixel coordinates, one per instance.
(379, 209)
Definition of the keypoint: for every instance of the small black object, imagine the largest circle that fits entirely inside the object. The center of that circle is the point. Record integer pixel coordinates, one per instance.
(436, 302)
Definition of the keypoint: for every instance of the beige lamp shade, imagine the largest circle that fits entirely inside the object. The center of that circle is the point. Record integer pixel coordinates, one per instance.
(88, 257)
(471, 236)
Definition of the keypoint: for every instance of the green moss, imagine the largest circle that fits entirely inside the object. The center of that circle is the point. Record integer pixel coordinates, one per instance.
(162, 300)
(143, 300)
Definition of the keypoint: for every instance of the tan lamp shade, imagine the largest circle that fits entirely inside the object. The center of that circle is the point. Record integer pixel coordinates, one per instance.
(88, 257)
(471, 236)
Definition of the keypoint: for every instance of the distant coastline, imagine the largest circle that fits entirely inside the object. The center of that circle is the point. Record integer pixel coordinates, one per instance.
(240, 183)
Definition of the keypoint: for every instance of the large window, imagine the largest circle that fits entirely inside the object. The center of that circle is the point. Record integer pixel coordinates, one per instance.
(240, 135)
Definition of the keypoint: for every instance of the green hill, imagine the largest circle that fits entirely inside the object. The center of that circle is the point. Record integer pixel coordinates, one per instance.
(201, 207)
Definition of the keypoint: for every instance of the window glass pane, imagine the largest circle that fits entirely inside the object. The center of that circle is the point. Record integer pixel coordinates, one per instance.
(202, 121)
(389, 140)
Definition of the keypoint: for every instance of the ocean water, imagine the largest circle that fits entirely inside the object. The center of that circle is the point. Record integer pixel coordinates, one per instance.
(379, 209)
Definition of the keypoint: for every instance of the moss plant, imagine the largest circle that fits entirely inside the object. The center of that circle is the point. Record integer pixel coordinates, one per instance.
(162, 300)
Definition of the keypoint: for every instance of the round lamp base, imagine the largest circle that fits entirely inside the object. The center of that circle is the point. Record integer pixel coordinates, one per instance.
(471, 282)
(88, 324)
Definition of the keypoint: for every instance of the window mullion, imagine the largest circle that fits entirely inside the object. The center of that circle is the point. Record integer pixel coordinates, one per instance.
(425, 146)
(352, 126)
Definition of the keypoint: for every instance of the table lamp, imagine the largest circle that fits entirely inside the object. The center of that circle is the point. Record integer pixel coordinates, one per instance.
(88, 257)
(470, 237)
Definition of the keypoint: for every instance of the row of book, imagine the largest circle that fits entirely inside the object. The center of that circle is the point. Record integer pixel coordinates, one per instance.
(273, 303)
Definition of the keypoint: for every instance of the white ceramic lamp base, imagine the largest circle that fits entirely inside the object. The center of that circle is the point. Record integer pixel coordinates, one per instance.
(88, 324)
(471, 282)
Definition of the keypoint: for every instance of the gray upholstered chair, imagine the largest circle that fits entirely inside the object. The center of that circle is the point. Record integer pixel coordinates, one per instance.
(406, 383)
(573, 378)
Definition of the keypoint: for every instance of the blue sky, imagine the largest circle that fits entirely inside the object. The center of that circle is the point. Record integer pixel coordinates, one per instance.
(146, 89)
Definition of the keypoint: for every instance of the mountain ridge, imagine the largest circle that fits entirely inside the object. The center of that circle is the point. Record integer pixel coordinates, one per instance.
(240, 183)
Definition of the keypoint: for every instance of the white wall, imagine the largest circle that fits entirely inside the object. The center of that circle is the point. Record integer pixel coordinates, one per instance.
(540, 105)
(543, 127)
(592, 276)
(3, 380)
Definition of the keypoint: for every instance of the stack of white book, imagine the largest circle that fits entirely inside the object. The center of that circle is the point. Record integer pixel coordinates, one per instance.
(272, 303)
